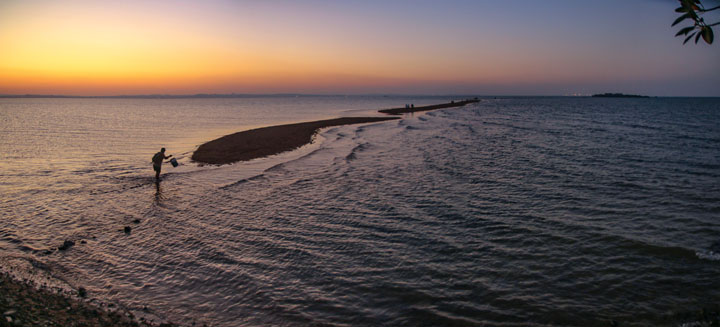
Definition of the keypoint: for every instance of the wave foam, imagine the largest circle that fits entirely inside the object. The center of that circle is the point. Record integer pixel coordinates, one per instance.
(708, 255)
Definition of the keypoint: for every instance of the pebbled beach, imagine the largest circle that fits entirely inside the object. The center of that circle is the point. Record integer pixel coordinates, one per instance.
(23, 304)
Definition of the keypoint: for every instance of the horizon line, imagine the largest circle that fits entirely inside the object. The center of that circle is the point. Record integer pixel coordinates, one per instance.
(247, 95)
(281, 94)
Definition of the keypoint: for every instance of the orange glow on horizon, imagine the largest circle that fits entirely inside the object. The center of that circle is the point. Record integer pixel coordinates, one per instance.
(86, 50)
(84, 47)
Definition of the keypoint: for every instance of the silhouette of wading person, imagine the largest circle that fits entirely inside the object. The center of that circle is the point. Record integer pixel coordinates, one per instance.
(158, 161)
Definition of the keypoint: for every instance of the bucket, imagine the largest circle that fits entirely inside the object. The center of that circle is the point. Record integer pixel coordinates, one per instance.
(174, 162)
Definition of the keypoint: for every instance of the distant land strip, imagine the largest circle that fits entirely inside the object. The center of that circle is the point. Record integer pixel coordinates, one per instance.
(400, 111)
(267, 141)
(618, 95)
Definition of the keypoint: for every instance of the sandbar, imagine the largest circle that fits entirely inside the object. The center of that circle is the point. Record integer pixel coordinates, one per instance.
(400, 111)
(267, 141)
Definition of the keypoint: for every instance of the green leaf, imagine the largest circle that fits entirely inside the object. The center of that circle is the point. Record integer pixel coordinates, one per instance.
(697, 37)
(707, 34)
(689, 37)
(685, 30)
(681, 18)
(680, 9)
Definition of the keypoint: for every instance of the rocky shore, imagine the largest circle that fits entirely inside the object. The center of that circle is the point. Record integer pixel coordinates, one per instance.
(25, 304)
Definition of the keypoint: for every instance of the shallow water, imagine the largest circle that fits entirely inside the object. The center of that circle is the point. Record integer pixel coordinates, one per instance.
(515, 211)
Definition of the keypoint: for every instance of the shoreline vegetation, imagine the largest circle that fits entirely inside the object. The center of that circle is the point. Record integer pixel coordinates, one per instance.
(267, 141)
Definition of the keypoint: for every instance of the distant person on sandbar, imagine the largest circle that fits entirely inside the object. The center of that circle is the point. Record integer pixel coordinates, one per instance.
(157, 160)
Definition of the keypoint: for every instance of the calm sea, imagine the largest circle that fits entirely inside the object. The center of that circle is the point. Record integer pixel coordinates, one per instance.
(512, 211)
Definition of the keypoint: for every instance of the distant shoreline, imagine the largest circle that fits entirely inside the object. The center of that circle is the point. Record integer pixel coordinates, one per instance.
(200, 96)
(290, 95)
(267, 141)
(618, 95)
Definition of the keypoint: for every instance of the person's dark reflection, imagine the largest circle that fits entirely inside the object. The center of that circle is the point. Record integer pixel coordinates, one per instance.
(158, 193)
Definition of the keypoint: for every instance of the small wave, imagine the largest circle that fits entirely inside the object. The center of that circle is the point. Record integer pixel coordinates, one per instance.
(242, 181)
(656, 250)
(281, 167)
(698, 138)
(278, 167)
(641, 126)
(129, 183)
(357, 149)
(708, 255)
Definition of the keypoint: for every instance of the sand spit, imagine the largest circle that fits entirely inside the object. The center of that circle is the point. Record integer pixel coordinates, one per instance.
(267, 141)
(400, 111)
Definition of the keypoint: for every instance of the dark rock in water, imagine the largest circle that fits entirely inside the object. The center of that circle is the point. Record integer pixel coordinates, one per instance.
(136, 221)
(83, 242)
(128, 229)
(66, 245)
(82, 292)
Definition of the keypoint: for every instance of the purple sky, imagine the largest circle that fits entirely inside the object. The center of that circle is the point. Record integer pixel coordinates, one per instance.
(521, 47)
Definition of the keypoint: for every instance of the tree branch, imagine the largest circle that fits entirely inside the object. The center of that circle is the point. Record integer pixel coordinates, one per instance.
(711, 9)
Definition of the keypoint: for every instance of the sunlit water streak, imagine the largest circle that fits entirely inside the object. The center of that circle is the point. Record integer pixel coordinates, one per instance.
(518, 212)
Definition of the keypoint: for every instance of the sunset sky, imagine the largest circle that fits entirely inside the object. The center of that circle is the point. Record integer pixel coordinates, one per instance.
(523, 47)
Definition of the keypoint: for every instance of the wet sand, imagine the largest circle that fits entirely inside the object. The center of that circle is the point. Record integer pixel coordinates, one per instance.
(266, 141)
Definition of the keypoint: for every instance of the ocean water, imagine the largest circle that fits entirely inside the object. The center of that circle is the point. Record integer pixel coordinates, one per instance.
(509, 212)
